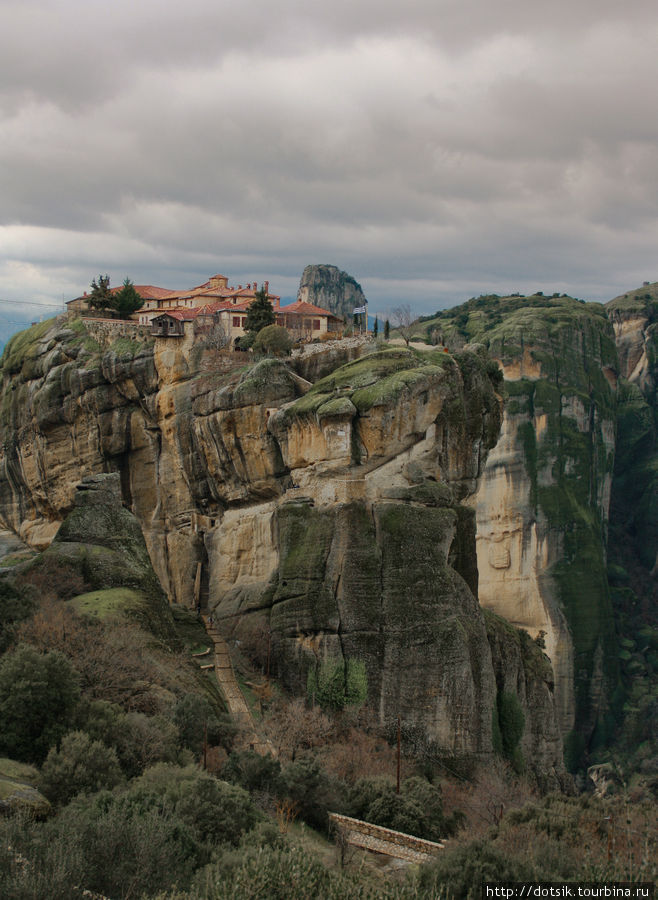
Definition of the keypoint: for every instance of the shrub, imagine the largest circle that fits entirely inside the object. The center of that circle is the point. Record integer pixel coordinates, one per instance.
(217, 812)
(273, 339)
(313, 792)
(15, 605)
(193, 716)
(336, 684)
(460, 873)
(37, 696)
(80, 766)
(254, 772)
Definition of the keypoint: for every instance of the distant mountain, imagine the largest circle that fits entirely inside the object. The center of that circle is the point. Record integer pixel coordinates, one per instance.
(329, 287)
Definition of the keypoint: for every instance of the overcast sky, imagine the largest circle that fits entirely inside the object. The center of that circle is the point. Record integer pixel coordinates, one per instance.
(435, 150)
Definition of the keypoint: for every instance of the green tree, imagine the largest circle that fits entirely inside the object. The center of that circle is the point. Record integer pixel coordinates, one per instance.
(15, 605)
(375, 327)
(127, 300)
(260, 313)
(273, 339)
(38, 693)
(335, 684)
(512, 724)
(80, 766)
(101, 295)
(387, 330)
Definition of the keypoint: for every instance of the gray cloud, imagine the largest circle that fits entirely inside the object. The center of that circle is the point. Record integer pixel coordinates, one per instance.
(434, 150)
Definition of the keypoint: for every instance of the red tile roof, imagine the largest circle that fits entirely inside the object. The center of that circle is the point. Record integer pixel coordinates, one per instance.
(301, 308)
(183, 315)
(150, 292)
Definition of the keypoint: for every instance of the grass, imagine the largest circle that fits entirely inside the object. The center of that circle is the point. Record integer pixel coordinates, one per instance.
(15, 559)
(108, 602)
(18, 771)
(20, 346)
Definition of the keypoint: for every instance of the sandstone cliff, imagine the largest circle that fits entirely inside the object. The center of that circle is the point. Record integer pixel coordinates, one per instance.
(542, 506)
(330, 518)
(328, 287)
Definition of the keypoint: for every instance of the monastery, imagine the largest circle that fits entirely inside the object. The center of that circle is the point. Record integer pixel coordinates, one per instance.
(217, 304)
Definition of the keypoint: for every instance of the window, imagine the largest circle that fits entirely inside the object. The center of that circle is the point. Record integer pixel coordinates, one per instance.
(237, 321)
(316, 324)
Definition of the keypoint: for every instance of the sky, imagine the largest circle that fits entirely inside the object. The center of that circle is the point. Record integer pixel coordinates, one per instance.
(435, 150)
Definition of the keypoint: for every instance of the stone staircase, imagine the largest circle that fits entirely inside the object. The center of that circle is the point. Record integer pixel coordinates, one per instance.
(235, 701)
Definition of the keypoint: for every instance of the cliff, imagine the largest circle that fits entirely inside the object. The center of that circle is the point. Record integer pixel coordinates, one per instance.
(542, 506)
(332, 517)
(330, 288)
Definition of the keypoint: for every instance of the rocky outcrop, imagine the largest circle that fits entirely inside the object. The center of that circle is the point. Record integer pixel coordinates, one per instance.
(329, 288)
(542, 505)
(330, 519)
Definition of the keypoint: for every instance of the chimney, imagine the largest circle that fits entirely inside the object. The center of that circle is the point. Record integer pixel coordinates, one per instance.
(267, 287)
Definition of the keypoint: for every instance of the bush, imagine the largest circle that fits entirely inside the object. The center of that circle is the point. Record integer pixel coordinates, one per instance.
(273, 339)
(217, 812)
(336, 684)
(191, 714)
(313, 792)
(254, 772)
(38, 694)
(281, 874)
(80, 766)
(460, 873)
(15, 605)
(417, 809)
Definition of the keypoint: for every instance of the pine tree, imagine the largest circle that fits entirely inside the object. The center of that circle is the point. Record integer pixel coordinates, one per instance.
(375, 328)
(101, 295)
(387, 330)
(127, 300)
(260, 313)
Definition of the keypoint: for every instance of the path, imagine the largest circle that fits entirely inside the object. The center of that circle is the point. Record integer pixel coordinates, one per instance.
(228, 684)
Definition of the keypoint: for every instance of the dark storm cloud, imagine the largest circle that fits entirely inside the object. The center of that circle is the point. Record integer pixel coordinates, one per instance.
(432, 149)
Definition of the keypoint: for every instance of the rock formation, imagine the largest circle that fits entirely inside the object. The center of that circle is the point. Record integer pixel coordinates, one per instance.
(542, 505)
(330, 519)
(329, 288)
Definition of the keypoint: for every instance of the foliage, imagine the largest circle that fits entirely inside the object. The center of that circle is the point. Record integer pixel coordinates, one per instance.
(194, 716)
(511, 724)
(15, 605)
(417, 809)
(111, 658)
(80, 766)
(253, 772)
(260, 313)
(217, 812)
(336, 684)
(313, 792)
(273, 339)
(288, 873)
(126, 300)
(461, 872)
(387, 330)
(101, 294)
(37, 696)
(140, 741)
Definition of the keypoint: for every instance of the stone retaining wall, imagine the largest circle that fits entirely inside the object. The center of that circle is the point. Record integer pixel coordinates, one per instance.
(105, 331)
(385, 840)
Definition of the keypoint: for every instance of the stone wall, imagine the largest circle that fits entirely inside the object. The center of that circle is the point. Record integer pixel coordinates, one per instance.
(385, 840)
(105, 331)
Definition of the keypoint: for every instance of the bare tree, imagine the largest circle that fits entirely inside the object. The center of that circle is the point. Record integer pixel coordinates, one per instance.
(403, 319)
(214, 336)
